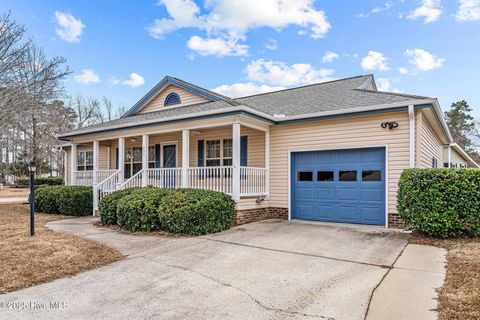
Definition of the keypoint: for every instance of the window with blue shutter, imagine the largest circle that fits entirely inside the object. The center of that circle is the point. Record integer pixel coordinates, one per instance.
(244, 151)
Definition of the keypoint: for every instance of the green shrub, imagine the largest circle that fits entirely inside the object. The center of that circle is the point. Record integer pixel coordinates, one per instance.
(41, 181)
(137, 211)
(441, 202)
(66, 200)
(195, 211)
(108, 206)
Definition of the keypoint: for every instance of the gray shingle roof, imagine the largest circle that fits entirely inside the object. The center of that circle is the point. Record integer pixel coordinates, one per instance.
(328, 96)
(337, 95)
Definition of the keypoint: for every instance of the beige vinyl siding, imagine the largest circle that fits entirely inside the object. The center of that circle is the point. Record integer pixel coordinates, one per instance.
(430, 146)
(255, 147)
(353, 132)
(186, 98)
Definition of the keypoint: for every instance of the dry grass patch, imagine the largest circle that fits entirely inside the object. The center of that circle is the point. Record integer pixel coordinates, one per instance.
(459, 298)
(14, 192)
(26, 261)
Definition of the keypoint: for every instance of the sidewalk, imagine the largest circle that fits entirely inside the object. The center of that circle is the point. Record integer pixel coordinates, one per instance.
(408, 291)
(12, 200)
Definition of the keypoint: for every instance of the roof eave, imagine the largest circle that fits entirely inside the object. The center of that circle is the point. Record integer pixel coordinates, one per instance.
(465, 155)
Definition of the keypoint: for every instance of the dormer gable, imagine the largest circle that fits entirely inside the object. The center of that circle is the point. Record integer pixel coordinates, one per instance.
(172, 93)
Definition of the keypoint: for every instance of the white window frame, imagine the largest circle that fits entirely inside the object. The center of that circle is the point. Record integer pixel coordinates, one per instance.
(85, 164)
(222, 157)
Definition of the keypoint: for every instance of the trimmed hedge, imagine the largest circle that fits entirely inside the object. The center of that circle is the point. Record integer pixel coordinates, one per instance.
(137, 211)
(66, 200)
(195, 211)
(108, 206)
(41, 181)
(441, 202)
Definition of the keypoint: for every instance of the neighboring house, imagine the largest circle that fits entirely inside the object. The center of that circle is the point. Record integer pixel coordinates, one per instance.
(332, 151)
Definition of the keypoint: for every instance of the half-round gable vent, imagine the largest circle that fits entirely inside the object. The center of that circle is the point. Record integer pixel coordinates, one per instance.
(172, 99)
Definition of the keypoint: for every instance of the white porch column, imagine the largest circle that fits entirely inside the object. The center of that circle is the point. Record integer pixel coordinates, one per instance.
(96, 161)
(267, 162)
(185, 157)
(121, 160)
(145, 160)
(66, 170)
(236, 161)
(96, 155)
(73, 165)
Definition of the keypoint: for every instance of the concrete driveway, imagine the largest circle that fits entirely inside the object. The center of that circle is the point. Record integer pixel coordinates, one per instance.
(265, 270)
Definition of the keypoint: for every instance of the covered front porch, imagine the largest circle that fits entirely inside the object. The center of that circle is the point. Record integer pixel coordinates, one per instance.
(231, 158)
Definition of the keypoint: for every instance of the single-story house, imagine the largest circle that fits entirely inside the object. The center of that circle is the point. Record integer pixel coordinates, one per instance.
(331, 151)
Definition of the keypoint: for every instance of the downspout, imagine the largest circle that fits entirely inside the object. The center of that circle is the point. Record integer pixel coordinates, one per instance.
(449, 156)
(411, 122)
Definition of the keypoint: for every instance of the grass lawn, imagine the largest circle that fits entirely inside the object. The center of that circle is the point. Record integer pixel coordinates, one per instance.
(26, 261)
(459, 298)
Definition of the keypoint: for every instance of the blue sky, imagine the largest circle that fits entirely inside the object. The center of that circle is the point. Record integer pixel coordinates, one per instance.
(120, 49)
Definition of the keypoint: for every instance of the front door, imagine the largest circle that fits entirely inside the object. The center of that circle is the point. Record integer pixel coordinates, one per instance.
(169, 156)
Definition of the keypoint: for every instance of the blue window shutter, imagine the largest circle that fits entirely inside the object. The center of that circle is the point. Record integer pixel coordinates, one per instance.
(116, 158)
(157, 156)
(243, 151)
(201, 152)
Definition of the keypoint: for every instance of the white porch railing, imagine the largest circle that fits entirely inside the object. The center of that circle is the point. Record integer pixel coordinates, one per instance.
(109, 184)
(134, 181)
(83, 178)
(211, 178)
(253, 181)
(165, 177)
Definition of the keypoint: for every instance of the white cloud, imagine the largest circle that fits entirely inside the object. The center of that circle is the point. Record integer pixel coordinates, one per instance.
(329, 56)
(278, 73)
(69, 28)
(134, 81)
(429, 11)
(244, 89)
(375, 61)
(423, 60)
(87, 76)
(387, 6)
(468, 10)
(233, 19)
(271, 44)
(403, 70)
(217, 47)
(384, 84)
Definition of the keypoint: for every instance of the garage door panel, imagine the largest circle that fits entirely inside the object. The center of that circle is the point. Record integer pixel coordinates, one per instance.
(326, 212)
(326, 194)
(324, 197)
(371, 214)
(372, 195)
(305, 193)
(350, 194)
(347, 213)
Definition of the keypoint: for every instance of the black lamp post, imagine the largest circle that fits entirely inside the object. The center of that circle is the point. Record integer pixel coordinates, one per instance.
(32, 168)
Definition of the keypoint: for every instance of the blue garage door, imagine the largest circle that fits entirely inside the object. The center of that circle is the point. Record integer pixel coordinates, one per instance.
(339, 186)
